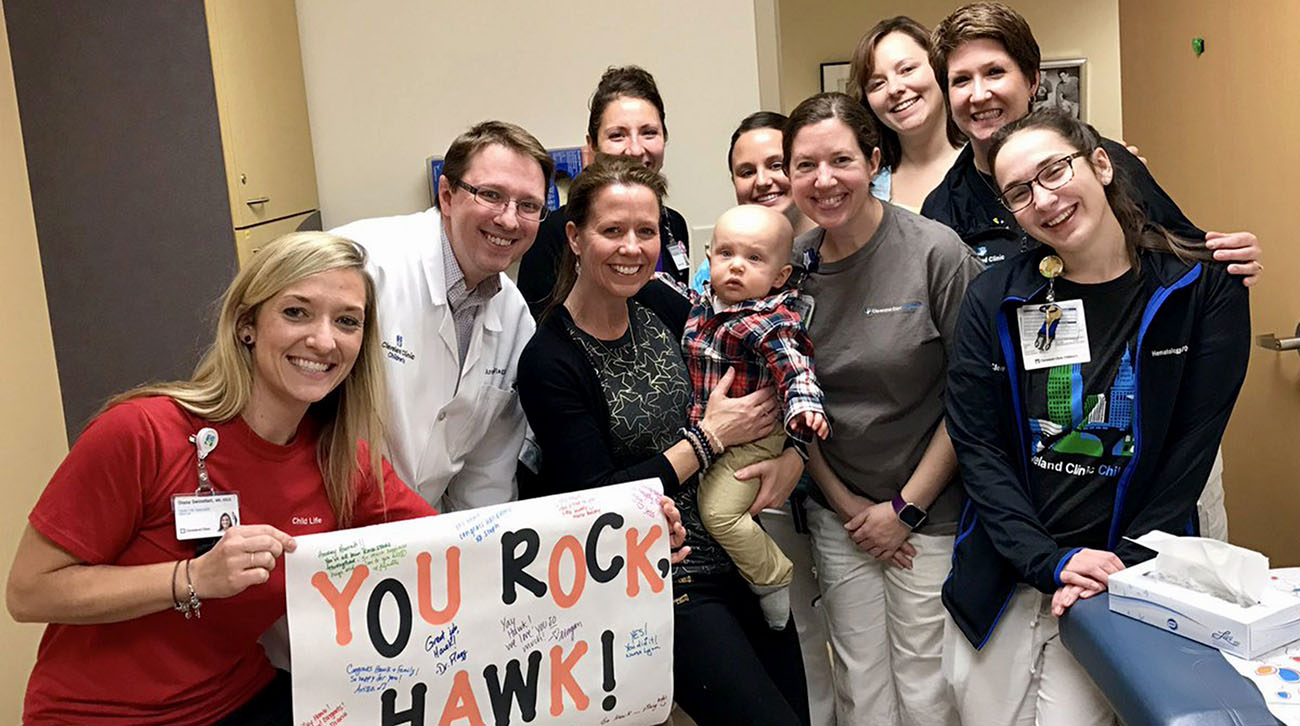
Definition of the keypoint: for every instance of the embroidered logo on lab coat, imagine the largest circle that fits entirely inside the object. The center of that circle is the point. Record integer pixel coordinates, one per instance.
(395, 351)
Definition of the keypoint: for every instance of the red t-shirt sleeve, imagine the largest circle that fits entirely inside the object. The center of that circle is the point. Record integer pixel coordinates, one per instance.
(398, 502)
(93, 506)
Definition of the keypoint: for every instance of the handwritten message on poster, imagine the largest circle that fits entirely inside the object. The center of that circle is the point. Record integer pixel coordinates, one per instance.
(547, 611)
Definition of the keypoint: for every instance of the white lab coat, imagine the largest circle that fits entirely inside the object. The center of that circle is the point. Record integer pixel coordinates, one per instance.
(454, 432)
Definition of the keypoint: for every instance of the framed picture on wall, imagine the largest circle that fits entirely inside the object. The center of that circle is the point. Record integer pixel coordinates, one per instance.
(835, 77)
(568, 162)
(1063, 86)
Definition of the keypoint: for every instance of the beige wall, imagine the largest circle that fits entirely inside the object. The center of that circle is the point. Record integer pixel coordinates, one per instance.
(387, 89)
(827, 31)
(32, 441)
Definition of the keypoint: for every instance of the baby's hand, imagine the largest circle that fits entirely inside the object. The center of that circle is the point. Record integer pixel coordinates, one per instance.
(816, 423)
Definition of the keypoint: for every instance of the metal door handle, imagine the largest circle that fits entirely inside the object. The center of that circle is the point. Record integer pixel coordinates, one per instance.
(257, 200)
(1272, 342)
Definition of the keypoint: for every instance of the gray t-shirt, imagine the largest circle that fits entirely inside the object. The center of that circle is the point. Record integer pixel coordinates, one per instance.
(882, 332)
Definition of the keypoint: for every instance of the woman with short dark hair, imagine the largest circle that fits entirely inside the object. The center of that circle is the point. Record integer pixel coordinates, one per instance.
(627, 118)
(887, 285)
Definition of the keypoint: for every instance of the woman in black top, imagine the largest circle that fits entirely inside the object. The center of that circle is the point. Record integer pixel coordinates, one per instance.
(627, 119)
(606, 392)
(1069, 445)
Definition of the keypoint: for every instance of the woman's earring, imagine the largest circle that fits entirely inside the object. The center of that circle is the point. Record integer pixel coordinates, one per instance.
(247, 338)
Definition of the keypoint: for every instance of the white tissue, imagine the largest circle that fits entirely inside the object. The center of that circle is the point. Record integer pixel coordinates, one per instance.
(1230, 573)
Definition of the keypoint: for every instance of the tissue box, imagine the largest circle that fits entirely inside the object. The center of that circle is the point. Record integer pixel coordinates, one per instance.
(1244, 632)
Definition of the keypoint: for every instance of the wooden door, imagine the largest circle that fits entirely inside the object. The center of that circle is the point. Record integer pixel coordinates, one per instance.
(262, 104)
(1220, 131)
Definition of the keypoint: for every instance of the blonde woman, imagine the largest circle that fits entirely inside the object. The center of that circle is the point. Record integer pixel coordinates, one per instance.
(278, 412)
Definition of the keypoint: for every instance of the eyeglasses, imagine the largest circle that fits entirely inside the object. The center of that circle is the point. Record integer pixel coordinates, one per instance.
(497, 201)
(1053, 176)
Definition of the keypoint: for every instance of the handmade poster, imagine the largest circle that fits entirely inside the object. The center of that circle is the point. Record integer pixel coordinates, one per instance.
(546, 611)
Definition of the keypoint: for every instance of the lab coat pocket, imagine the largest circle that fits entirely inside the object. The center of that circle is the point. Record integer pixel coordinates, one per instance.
(493, 407)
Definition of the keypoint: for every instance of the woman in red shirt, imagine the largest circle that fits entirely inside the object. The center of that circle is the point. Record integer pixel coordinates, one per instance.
(148, 625)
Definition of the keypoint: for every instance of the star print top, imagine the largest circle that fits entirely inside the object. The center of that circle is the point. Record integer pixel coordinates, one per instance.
(604, 411)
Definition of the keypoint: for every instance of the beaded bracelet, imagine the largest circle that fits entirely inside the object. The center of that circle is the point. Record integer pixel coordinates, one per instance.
(191, 606)
(702, 453)
(695, 448)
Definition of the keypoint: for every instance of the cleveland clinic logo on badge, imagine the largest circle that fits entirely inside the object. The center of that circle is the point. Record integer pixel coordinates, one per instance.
(395, 350)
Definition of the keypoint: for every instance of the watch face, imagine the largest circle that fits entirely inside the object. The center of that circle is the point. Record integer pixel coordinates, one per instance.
(912, 516)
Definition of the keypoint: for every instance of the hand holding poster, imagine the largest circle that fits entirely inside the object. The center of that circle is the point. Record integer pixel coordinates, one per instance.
(546, 611)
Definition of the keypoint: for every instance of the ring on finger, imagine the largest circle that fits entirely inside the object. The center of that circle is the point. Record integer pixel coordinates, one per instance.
(252, 560)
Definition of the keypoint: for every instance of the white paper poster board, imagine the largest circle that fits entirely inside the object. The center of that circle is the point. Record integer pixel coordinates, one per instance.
(547, 611)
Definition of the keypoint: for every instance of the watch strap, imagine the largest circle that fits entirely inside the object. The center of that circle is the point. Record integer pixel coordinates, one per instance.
(908, 513)
(899, 503)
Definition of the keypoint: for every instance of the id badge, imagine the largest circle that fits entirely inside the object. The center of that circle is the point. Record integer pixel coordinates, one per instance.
(678, 252)
(1053, 334)
(199, 516)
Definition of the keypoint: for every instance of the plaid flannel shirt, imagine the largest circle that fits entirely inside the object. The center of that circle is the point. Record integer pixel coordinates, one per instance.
(764, 341)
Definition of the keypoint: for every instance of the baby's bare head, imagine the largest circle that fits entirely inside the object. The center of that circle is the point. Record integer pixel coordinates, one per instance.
(750, 254)
(760, 225)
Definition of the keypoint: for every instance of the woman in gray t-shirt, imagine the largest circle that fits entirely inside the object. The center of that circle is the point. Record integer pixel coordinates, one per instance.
(887, 285)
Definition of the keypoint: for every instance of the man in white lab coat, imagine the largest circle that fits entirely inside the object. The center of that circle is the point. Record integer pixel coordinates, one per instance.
(452, 324)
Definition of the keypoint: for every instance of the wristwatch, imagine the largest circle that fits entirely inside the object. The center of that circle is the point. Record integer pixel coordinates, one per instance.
(908, 513)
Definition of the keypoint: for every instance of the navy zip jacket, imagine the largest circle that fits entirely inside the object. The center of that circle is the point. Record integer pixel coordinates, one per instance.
(1192, 348)
(965, 201)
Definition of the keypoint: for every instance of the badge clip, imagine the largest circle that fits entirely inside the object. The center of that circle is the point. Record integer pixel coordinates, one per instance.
(1051, 267)
(204, 442)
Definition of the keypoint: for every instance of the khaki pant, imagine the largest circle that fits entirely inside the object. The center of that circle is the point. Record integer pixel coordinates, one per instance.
(886, 627)
(724, 508)
(1214, 518)
(1023, 676)
(809, 616)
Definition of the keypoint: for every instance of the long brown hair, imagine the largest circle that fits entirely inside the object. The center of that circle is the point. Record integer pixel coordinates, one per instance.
(891, 148)
(606, 170)
(1140, 232)
(223, 380)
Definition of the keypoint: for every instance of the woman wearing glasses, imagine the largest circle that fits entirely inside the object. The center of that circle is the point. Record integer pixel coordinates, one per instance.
(627, 119)
(1092, 381)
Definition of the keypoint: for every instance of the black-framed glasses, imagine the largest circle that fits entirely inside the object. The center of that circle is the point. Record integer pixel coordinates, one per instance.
(1053, 176)
(497, 200)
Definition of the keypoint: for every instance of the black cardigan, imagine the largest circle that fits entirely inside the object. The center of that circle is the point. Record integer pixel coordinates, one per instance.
(566, 407)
